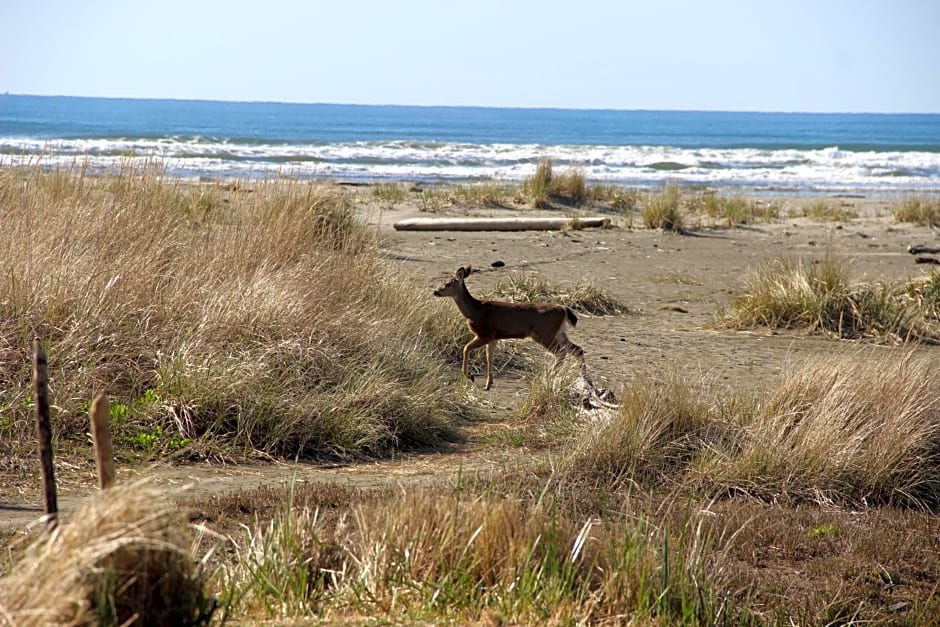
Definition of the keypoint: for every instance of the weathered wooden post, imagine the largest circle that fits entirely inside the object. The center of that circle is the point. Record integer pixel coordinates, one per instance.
(101, 435)
(44, 429)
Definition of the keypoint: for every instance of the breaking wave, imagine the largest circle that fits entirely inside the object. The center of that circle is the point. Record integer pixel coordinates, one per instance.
(822, 169)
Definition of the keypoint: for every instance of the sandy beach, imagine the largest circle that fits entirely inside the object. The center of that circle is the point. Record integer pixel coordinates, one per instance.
(674, 284)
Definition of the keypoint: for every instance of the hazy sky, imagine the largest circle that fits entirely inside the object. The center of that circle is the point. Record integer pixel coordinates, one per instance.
(780, 55)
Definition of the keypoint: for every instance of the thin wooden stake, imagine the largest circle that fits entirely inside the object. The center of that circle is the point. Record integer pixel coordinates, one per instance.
(101, 435)
(44, 429)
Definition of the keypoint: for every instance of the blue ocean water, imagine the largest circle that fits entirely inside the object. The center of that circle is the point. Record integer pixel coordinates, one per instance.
(763, 152)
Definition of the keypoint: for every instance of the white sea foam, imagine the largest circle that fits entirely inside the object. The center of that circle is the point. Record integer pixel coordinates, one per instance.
(826, 169)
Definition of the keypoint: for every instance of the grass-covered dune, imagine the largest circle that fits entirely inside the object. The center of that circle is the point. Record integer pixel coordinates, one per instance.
(258, 318)
(813, 502)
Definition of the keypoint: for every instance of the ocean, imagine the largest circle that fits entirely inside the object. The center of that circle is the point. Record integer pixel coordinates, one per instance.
(814, 153)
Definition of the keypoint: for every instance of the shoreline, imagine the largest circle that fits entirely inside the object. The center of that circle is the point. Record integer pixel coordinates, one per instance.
(155, 166)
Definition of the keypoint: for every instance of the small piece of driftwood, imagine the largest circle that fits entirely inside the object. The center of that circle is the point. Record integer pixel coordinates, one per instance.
(499, 224)
(919, 250)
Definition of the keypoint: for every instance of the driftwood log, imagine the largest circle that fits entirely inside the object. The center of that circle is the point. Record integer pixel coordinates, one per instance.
(499, 224)
(920, 250)
(924, 250)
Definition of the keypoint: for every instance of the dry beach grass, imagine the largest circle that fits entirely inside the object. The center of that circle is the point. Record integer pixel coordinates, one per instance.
(760, 468)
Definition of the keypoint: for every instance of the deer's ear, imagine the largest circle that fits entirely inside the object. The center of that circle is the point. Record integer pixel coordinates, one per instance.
(461, 273)
(467, 270)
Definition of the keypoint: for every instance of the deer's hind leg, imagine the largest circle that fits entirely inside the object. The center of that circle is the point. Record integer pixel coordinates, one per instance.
(561, 347)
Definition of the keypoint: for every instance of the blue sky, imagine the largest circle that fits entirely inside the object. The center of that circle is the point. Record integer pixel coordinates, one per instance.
(773, 55)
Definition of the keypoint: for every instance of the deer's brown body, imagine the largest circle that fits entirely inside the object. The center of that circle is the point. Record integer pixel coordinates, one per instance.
(490, 321)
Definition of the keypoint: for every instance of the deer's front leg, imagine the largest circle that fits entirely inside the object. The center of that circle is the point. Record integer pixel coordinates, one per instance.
(473, 344)
(490, 347)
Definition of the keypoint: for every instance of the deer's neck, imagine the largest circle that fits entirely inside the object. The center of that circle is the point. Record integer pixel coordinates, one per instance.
(470, 307)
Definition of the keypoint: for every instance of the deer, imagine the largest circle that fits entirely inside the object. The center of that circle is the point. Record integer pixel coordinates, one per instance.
(491, 321)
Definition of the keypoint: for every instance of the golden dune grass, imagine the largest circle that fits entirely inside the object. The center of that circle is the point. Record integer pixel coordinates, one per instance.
(123, 557)
(261, 317)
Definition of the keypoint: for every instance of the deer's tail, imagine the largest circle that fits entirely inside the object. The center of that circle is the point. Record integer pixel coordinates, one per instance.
(573, 319)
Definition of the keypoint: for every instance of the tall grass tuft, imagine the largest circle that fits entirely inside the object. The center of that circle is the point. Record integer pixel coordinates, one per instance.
(259, 319)
(570, 186)
(664, 210)
(122, 558)
(923, 211)
(538, 187)
(547, 415)
(924, 291)
(857, 428)
(546, 185)
(659, 428)
(863, 428)
(431, 556)
(818, 296)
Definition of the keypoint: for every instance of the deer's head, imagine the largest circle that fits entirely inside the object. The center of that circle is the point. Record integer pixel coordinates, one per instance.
(454, 284)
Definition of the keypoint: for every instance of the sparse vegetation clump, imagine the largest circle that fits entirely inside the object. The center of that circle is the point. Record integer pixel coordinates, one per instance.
(732, 210)
(388, 194)
(583, 296)
(487, 194)
(619, 198)
(824, 211)
(923, 211)
(819, 296)
(434, 199)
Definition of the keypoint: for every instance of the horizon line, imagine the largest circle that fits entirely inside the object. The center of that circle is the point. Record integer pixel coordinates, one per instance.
(473, 106)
